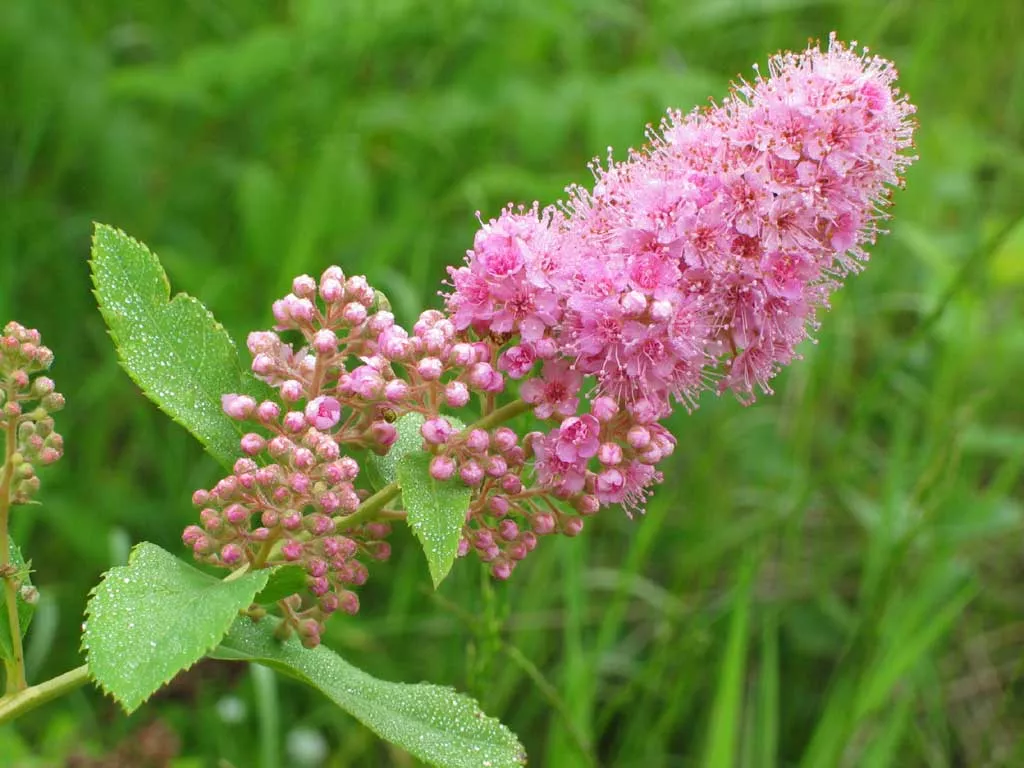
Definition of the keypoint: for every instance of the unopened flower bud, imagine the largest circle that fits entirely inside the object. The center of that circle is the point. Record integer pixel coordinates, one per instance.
(661, 311)
(304, 287)
(331, 290)
(572, 526)
(53, 402)
(604, 408)
(42, 386)
(638, 437)
(436, 431)
(456, 394)
(384, 434)
(354, 313)
(543, 523)
(429, 368)
(252, 444)
(478, 440)
(497, 506)
(230, 554)
(291, 391)
(471, 473)
(508, 530)
(325, 341)
(462, 354)
(350, 603)
(442, 467)
(501, 570)
(238, 407)
(588, 504)
(294, 422)
(396, 390)
(291, 551)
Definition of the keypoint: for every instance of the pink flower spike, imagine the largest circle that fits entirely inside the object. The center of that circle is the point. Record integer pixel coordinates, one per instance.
(323, 412)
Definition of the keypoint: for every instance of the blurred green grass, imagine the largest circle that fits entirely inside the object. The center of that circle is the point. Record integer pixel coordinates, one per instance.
(827, 578)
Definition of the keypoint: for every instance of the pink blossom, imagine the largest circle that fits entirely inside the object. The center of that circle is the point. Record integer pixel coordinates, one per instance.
(555, 391)
(578, 438)
(323, 412)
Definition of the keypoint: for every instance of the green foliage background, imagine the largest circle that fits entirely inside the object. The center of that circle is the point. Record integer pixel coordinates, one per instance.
(827, 578)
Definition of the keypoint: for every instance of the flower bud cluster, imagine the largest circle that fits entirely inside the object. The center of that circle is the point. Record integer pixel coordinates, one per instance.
(26, 402)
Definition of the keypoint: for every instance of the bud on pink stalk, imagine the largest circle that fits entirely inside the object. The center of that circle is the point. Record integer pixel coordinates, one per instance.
(501, 570)
(238, 407)
(396, 390)
(462, 354)
(231, 554)
(456, 394)
(291, 391)
(498, 506)
(471, 473)
(638, 437)
(384, 434)
(253, 444)
(442, 467)
(478, 440)
(354, 313)
(436, 431)
(572, 526)
(304, 286)
(429, 369)
(543, 523)
(291, 550)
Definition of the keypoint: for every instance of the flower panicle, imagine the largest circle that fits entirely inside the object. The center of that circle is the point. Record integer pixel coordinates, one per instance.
(698, 262)
(27, 402)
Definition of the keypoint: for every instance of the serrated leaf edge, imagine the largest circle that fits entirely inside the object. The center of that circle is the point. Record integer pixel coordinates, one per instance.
(126, 706)
(435, 578)
(181, 296)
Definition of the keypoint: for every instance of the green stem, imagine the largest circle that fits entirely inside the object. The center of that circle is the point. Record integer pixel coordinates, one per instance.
(368, 509)
(15, 667)
(373, 507)
(507, 412)
(23, 701)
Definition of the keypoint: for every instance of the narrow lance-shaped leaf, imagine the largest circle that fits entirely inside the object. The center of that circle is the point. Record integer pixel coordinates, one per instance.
(432, 722)
(150, 619)
(174, 349)
(435, 510)
(25, 609)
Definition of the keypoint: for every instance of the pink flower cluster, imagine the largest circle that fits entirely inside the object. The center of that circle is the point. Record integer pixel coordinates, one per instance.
(700, 260)
(697, 262)
(22, 357)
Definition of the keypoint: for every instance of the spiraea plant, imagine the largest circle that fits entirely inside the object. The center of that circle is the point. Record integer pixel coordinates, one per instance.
(532, 398)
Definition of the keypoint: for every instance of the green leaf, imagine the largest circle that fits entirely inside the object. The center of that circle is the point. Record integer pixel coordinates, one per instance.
(25, 610)
(436, 512)
(384, 469)
(178, 354)
(156, 616)
(284, 580)
(727, 709)
(432, 722)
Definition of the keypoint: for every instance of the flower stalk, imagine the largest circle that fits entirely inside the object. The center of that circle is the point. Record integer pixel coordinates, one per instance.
(15, 668)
